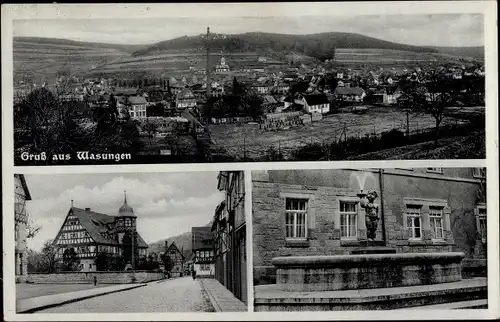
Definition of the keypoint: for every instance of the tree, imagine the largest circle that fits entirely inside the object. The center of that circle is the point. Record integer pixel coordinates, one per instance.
(49, 255)
(127, 242)
(150, 126)
(103, 261)
(70, 260)
(32, 229)
(435, 104)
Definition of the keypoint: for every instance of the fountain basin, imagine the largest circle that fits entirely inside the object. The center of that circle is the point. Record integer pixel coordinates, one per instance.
(347, 272)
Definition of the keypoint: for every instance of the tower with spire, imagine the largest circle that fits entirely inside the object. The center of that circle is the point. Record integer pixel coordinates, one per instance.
(125, 220)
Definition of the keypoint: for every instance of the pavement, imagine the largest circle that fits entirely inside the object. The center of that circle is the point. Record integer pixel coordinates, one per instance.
(221, 298)
(172, 295)
(25, 290)
(33, 304)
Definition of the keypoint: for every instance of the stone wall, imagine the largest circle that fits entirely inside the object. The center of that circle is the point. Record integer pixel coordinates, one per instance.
(88, 277)
(325, 188)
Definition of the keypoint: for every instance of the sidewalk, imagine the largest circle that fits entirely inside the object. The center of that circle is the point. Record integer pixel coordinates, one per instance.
(221, 298)
(33, 304)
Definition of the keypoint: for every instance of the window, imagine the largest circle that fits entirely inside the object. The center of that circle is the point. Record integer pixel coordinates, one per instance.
(348, 219)
(435, 170)
(90, 266)
(436, 221)
(413, 221)
(295, 218)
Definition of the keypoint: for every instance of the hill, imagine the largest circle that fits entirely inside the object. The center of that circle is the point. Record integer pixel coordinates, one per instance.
(476, 52)
(183, 241)
(72, 43)
(320, 46)
(42, 59)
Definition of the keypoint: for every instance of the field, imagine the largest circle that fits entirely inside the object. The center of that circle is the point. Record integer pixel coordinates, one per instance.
(248, 139)
(40, 61)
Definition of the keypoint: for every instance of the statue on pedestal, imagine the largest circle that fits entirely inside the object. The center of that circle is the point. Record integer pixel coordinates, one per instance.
(371, 210)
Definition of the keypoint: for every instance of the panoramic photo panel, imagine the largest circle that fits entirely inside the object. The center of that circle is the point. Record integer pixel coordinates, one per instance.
(130, 243)
(256, 88)
(369, 239)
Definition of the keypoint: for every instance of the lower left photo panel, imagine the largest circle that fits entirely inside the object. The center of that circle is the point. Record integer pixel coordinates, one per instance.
(130, 242)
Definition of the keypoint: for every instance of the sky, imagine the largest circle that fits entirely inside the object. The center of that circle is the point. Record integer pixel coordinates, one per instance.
(166, 204)
(419, 30)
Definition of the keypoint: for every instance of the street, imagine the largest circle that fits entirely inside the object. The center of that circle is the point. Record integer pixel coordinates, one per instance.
(176, 295)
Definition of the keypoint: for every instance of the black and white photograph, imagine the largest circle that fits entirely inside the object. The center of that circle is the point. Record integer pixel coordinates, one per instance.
(261, 88)
(370, 239)
(130, 242)
(306, 161)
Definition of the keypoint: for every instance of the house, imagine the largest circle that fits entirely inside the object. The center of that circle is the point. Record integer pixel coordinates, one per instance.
(391, 95)
(203, 260)
(229, 234)
(138, 106)
(315, 103)
(185, 99)
(89, 234)
(177, 259)
(349, 94)
(317, 212)
(222, 67)
(21, 196)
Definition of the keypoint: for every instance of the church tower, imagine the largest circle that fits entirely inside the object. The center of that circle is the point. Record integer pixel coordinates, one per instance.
(125, 221)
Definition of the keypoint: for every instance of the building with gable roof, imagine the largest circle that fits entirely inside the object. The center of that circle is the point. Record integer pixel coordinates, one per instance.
(21, 195)
(90, 233)
(177, 258)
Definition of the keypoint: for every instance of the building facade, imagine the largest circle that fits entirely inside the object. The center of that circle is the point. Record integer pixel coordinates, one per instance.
(177, 258)
(229, 234)
(21, 195)
(89, 233)
(317, 212)
(203, 259)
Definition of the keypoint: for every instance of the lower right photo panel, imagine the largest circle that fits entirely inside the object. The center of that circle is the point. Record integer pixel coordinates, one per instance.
(369, 239)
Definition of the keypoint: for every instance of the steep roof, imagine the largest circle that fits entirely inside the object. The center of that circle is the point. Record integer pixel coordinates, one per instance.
(27, 194)
(316, 99)
(96, 223)
(174, 246)
(137, 100)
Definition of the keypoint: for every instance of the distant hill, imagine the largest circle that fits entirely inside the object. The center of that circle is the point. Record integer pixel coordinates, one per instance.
(472, 52)
(320, 46)
(72, 43)
(183, 241)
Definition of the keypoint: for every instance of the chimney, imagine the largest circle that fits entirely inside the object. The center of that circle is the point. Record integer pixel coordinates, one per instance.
(166, 245)
(87, 209)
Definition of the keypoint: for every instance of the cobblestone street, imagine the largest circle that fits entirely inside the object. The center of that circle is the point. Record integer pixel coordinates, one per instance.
(176, 295)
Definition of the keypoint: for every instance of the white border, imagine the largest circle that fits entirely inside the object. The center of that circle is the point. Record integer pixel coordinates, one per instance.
(47, 11)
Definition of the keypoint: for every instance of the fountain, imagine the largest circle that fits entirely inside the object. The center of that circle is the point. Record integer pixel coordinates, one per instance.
(326, 282)
(372, 265)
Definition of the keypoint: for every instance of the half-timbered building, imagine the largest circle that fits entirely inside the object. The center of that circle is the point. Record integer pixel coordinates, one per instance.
(177, 258)
(229, 234)
(90, 233)
(203, 260)
(21, 195)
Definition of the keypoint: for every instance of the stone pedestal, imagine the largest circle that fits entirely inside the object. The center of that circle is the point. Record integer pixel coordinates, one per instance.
(373, 250)
(350, 272)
